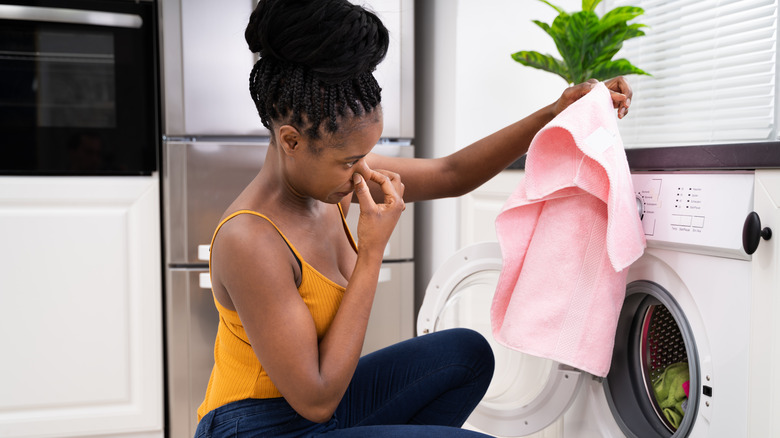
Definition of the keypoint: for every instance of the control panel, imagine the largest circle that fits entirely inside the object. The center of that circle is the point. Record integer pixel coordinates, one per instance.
(696, 212)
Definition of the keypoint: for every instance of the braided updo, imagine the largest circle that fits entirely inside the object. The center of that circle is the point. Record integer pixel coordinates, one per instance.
(316, 62)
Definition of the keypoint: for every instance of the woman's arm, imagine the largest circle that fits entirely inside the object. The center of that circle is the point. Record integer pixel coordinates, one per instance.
(470, 167)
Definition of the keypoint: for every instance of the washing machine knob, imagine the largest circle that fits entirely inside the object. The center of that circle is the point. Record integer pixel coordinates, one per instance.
(752, 233)
(640, 207)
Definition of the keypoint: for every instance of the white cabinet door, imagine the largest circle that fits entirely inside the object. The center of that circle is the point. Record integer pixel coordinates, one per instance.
(80, 307)
(765, 324)
(480, 208)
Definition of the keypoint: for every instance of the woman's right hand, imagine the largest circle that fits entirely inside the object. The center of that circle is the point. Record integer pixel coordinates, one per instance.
(377, 221)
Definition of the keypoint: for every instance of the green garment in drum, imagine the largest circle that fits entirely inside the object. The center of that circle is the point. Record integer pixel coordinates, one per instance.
(670, 394)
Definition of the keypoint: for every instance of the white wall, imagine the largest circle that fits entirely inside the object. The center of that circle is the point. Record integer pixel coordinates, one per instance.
(467, 87)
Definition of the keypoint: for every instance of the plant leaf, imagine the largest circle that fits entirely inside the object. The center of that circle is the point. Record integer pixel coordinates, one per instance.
(545, 27)
(634, 30)
(543, 62)
(559, 36)
(618, 67)
(586, 43)
(590, 5)
(580, 31)
(607, 44)
(613, 31)
(620, 15)
(560, 11)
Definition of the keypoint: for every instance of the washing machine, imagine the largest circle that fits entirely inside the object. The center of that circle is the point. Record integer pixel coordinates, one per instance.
(695, 311)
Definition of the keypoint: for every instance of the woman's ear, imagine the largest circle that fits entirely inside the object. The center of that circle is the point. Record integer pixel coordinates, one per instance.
(289, 139)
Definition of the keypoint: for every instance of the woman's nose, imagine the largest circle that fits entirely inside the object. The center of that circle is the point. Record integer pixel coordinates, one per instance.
(362, 168)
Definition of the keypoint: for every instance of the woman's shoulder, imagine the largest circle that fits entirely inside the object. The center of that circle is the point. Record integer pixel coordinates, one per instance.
(248, 252)
(248, 230)
(246, 215)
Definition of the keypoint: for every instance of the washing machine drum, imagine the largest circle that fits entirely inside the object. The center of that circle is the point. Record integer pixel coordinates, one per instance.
(654, 345)
(527, 393)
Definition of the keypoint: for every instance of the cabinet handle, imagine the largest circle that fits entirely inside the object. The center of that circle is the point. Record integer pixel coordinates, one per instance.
(752, 233)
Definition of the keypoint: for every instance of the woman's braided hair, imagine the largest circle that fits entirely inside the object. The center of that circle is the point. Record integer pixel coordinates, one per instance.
(316, 62)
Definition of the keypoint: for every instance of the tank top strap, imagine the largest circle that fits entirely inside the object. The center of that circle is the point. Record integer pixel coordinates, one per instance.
(346, 229)
(287, 241)
(254, 213)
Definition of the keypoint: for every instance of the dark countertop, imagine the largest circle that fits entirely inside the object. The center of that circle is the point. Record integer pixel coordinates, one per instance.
(757, 155)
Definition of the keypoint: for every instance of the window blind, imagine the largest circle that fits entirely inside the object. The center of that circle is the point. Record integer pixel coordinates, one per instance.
(713, 66)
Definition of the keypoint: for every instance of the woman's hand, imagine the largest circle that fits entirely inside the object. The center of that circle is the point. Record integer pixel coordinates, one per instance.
(377, 221)
(618, 88)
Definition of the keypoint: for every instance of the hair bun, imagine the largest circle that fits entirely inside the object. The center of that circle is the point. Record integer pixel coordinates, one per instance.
(334, 39)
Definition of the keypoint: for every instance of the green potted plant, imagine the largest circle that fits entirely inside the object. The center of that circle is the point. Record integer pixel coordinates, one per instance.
(587, 43)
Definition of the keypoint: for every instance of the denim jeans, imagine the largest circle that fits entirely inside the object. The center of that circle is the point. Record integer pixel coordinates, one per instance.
(423, 387)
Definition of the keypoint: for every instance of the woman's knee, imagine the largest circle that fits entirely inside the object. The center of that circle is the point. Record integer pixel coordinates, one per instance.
(472, 348)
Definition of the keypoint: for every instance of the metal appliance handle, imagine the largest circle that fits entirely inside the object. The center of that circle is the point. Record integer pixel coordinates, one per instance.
(204, 280)
(74, 16)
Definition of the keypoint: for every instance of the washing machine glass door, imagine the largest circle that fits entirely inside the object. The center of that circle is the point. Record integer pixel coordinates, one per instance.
(527, 393)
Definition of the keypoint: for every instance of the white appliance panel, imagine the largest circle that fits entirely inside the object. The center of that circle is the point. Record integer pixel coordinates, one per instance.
(695, 212)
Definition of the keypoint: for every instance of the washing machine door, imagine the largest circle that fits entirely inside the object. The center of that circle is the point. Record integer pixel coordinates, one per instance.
(527, 393)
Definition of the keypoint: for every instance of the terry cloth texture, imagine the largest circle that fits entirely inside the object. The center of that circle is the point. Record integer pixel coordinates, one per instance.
(568, 234)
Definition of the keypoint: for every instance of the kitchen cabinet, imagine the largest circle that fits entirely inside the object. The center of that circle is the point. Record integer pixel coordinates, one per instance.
(479, 209)
(80, 307)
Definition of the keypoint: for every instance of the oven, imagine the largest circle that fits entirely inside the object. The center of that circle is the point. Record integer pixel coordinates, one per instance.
(78, 92)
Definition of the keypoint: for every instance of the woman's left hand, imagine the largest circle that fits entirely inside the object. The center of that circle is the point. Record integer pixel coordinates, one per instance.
(618, 88)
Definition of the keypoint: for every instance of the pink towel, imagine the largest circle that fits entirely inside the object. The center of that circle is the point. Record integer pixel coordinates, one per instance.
(568, 234)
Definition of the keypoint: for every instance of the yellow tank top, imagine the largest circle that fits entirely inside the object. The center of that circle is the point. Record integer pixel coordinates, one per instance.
(237, 374)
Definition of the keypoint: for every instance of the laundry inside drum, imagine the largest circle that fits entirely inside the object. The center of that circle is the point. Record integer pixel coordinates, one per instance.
(665, 366)
(518, 378)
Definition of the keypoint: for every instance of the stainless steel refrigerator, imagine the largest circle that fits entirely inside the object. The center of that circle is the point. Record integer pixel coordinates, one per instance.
(214, 144)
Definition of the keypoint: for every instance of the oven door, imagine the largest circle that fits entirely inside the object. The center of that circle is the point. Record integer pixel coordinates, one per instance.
(77, 87)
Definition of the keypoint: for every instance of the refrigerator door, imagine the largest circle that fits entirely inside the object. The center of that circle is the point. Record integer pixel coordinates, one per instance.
(191, 330)
(201, 180)
(205, 68)
(392, 314)
(395, 73)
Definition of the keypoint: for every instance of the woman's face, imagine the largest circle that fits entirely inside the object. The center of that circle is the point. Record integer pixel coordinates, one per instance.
(324, 170)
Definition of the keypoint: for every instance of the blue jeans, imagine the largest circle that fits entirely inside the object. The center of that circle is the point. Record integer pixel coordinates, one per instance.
(423, 387)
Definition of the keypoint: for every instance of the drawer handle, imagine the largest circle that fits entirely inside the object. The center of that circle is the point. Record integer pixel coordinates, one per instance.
(204, 280)
(752, 233)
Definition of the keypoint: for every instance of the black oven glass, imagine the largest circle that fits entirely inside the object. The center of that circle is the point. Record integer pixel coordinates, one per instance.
(78, 98)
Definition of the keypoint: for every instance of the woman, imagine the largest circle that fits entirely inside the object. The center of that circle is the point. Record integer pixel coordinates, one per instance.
(293, 291)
